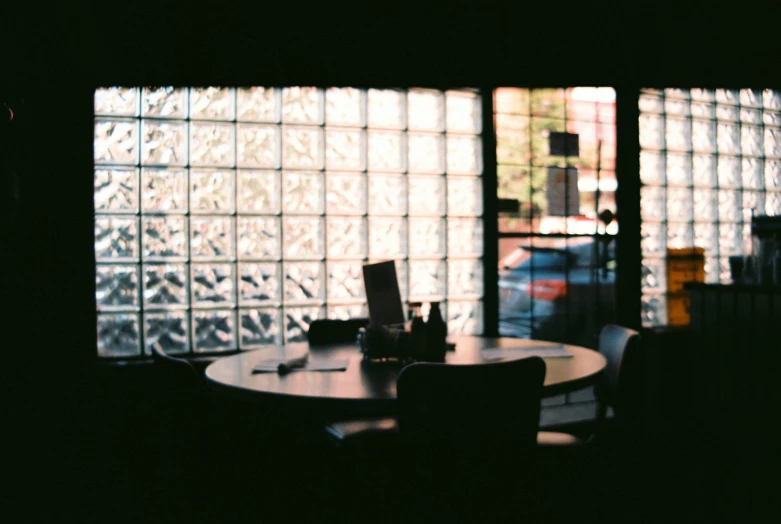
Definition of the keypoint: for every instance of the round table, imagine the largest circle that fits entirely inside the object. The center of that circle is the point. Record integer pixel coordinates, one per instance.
(371, 386)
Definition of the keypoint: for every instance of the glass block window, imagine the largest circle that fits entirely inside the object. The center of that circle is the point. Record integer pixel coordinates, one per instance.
(708, 157)
(228, 219)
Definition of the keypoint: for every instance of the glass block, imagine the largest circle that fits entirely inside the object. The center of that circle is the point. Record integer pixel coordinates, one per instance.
(650, 104)
(512, 145)
(463, 112)
(652, 203)
(297, 321)
(464, 196)
(773, 204)
(211, 191)
(259, 192)
(704, 136)
(116, 141)
(730, 206)
(704, 172)
(725, 274)
(258, 238)
(511, 100)
(753, 200)
(427, 237)
(212, 144)
(751, 97)
(303, 237)
(706, 204)
(680, 235)
(711, 269)
(165, 285)
(652, 168)
(703, 110)
(116, 286)
(464, 237)
(679, 204)
(548, 103)
(387, 195)
(301, 105)
(679, 169)
(385, 109)
(750, 116)
(426, 195)
(259, 283)
(464, 155)
(425, 110)
(116, 238)
(728, 96)
(118, 101)
(118, 335)
(773, 142)
(654, 310)
(385, 151)
(730, 113)
(343, 149)
(257, 145)
(346, 312)
(211, 237)
(116, 190)
(345, 281)
(301, 147)
(653, 238)
(256, 104)
(211, 103)
(169, 329)
(343, 106)
(260, 327)
(773, 175)
(653, 274)
(464, 278)
(751, 173)
(728, 138)
(730, 240)
(606, 112)
(540, 133)
(729, 171)
(706, 236)
(679, 134)
(302, 193)
(163, 142)
(426, 153)
(304, 281)
(164, 190)
(771, 99)
(212, 284)
(771, 118)
(428, 279)
(214, 331)
(165, 236)
(706, 95)
(751, 140)
(164, 102)
(677, 107)
(347, 237)
(651, 132)
(387, 238)
(345, 194)
(464, 318)
(672, 92)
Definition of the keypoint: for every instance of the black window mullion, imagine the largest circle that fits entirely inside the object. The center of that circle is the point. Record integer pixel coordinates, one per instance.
(490, 216)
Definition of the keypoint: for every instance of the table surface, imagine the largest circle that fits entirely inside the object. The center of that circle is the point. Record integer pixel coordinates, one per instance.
(374, 383)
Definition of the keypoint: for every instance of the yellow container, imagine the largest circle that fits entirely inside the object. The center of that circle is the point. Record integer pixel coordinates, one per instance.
(683, 265)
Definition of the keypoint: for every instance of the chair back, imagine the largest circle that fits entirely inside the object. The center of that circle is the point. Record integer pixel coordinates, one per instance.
(178, 373)
(621, 348)
(329, 331)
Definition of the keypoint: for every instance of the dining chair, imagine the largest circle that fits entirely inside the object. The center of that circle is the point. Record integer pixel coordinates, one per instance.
(465, 436)
(332, 331)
